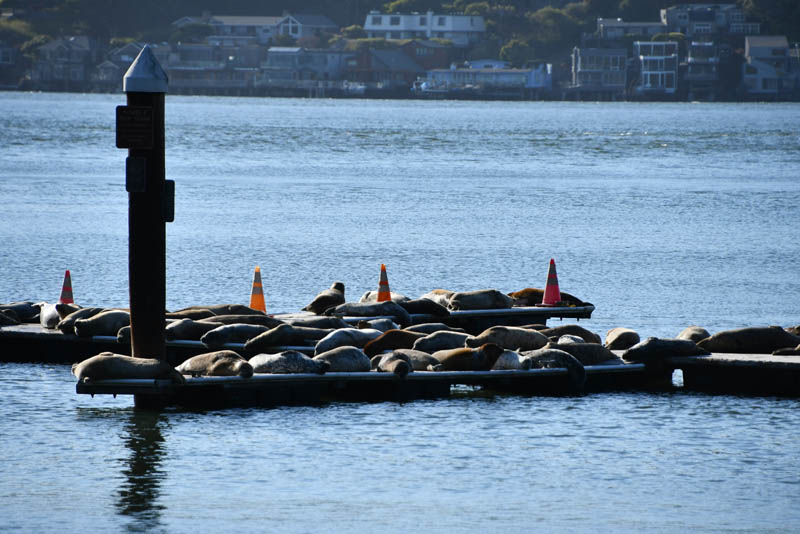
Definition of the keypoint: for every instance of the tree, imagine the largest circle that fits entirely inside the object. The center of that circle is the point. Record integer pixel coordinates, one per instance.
(191, 33)
(553, 31)
(410, 6)
(517, 52)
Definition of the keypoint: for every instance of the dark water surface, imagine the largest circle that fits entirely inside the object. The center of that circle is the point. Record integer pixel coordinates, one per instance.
(662, 215)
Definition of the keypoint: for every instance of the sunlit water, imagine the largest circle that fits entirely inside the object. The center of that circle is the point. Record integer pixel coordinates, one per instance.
(662, 215)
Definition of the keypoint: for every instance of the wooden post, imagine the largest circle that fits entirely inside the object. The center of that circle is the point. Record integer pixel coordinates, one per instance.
(140, 129)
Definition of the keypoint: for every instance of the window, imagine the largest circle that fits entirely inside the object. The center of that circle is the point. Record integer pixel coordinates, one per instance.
(423, 21)
(394, 21)
(376, 21)
(441, 21)
(702, 27)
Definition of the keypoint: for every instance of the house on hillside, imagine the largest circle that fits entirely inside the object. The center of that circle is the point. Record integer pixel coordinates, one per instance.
(462, 30)
(767, 71)
(230, 30)
(694, 20)
(65, 64)
(300, 26)
(613, 29)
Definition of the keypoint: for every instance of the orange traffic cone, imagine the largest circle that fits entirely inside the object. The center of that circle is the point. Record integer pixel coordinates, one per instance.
(383, 286)
(66, 290)
(257, 293)
(552, 295)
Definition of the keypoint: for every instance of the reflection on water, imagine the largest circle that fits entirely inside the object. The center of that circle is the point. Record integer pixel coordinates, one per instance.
(142, 472)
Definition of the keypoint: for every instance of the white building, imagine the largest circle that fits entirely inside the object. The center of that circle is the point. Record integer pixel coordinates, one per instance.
(658, 62)
(768, 71)
(462, 30)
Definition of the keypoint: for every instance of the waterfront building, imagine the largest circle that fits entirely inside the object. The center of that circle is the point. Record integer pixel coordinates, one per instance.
(657, 63)
(65, 64)
(462, 30)
(767, 71)
(285, 64)
(598, 73)
(702, 70)
(708, 19)
(485, 81)
(384, 68)
(428, 54)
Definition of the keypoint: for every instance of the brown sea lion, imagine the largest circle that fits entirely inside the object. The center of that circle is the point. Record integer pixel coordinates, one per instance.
(105, 323)
(109, 366)
(392, 362)
(287, 362)
(481, 358)
(571, 329)
(327, 299)
(390, 340)
(654, 349)
(188, 329)
(440, 340)
(218, 363)
(481, 299)
(621, 338)
(531, 296)
(752, 340)
(67, 324)
(693, 333)
(354, 337)
(509, 337)
(345, 359)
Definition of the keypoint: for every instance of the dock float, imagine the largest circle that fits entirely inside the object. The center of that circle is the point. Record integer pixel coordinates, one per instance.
(740, 374)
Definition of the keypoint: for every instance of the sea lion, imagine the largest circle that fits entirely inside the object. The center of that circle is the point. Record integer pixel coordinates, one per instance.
(383, 325)
(327, 299)
(388, 308)
(653, 349)
(621, 338)
(481, 358)
(511, 360)
(231, 333)
(509, 337)
(567, 338)
(64, 309)
(586, 353)
(420, 361)
(229, 309)
(549, 358)
(439, 296)
(218, 363)
(105, 323)
(392, 362)
(481, 299)
(317, 322)
(440, 340)
(752, 340)
(787, 351)
(23, 311)
(285, 334)
(390, 340)
(48, 315)
(345, 359)
(424, 306)
(355, 337)
(430, 328)
(693, 333)
(67, 324)
(372, 296)
(192, 313)
(256, 319)
(287, 362)
(124, 335)
(189, 329)
(7, 318)
(109, 366)
(531, 296)
(572, 329)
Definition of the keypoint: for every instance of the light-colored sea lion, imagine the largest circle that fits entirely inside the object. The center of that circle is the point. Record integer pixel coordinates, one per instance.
(383, 325)
(372, 296)
(188, 329)
(109, 366)
(572, 329)
(392, 362)
(354, 337)
(327, 299)
(653, 349)
(317, 322)
(105, 323)
(345, 359)
(67, 324)
(440, 340)
(549, 358)
(439, 296)
(192, 313)
(420, 361)
(693, 333)
(218, 363)
(481, 299)
(752, 340)
(257, 319)
(285, 334)
(287, 362)
(531, 296)
(48, 315)
(390, 340)
(568, 338)
(512, 360)
(586, 353)
(621, 338)
(231, 333)
(481, 358)
(388, 308)
(425, 306)
(509, 337)
(23, 311)
(430, 328)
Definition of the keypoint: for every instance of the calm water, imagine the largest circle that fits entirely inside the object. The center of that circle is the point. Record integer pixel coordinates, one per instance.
(662, 215)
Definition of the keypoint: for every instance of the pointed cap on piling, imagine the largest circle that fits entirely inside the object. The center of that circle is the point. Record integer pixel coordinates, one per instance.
(145, 74)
